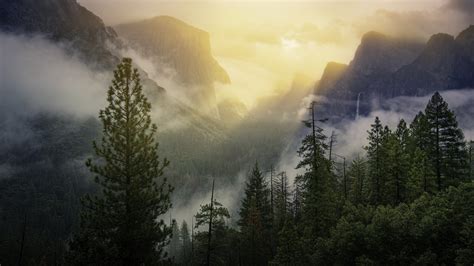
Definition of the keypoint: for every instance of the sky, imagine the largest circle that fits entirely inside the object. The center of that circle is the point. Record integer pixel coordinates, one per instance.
(266, 42)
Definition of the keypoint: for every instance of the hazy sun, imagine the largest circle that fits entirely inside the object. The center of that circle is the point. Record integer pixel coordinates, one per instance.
(289, 44)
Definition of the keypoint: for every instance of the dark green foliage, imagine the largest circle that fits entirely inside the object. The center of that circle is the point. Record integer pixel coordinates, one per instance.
(398, 163)
(174, 246)
(185, 237)
(290, 249)
(45, 184)
(445, 144)
(358, 175)
(317, 185)
(376, 156)
(282, 198)
(224, 241)
(256, 220)
(433, 230)
(120, 225)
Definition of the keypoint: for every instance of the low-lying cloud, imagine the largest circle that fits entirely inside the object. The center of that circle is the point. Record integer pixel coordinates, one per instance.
(38, 75)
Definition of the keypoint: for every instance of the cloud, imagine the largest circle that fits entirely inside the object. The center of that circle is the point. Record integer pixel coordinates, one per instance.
(38, 75)
(465, 7)
(419, 24)
(227, 192)
(352, 135)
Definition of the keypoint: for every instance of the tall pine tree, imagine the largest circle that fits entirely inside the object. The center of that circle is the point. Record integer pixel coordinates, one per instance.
(121, 224)
(376, 155)
(446, 147)
(256, 220)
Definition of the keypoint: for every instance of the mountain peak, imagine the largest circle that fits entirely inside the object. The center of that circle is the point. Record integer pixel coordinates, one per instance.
(381, 54)
(466, 40)
(64, 21)
(373, 36)
(177, 44)
(440, 40)
(332, 72)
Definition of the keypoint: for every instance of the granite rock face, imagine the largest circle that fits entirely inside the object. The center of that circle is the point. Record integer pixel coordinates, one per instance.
(63, 21)
(385, 67)
(171, 44)
(178, 45)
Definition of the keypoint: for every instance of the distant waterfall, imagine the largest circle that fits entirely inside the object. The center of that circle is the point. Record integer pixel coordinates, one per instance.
(358, 102)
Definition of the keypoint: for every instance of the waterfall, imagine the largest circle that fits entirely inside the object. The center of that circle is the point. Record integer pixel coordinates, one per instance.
(358, 102)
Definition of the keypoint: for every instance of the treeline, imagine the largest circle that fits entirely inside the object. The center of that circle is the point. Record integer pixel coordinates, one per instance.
(409, 200)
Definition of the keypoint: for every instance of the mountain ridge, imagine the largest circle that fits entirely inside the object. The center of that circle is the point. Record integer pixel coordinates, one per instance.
(385, 67)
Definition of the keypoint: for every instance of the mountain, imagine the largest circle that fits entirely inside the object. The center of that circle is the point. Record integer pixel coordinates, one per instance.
(385, 67)
(332, 73)
(178, 45)
(172, 44)
(62, 21)
(466, 40)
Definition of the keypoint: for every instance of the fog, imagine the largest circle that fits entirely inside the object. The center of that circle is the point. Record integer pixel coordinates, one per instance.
(38, 75)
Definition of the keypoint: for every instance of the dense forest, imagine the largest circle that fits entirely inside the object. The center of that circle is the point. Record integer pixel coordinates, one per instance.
(407, 199)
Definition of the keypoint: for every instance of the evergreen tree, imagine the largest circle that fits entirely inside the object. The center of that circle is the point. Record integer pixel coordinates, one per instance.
(358, 174)
(289, 250)
(446, 147)
(420, 174)
(317, 187)
(282, 200)
(185, 244)
(174, 247)
(219, 244)
(376, 155)
(120, 226)
(398, 162)
(256, 220)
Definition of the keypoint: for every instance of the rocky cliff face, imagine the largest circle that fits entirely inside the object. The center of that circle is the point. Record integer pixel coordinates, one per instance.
(332, 73)
(62, 21)
(186, 50)
(178, 45)
(466, 40)
(443, 64)
(385, 67)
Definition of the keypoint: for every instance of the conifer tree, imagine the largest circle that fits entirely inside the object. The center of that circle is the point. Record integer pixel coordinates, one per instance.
(358, 174)
(121, 225)
(398, 162)
(256, 219)
(446, 147)
(289, 250)
(282, 200)
(174, 247)
(376, 160)
(185, 244)
(317, 184)
(420, 174)
(218, 244)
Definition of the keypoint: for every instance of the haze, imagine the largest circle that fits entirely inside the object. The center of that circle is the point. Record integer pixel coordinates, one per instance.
(262, 44)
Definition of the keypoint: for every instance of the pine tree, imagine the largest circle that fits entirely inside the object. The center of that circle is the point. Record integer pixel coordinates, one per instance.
(376, 155)
(398, 162)
(219, 230)
(120, 226)
(185, 244)
(358, 174)
(289, 250)
(174, 247)
(317, 184)
(446, 147)
(420, 174)
(421, 170)
(256, 219)
(282, 200)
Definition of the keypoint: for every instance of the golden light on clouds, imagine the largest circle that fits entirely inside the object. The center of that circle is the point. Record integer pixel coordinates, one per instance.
(267, 42)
